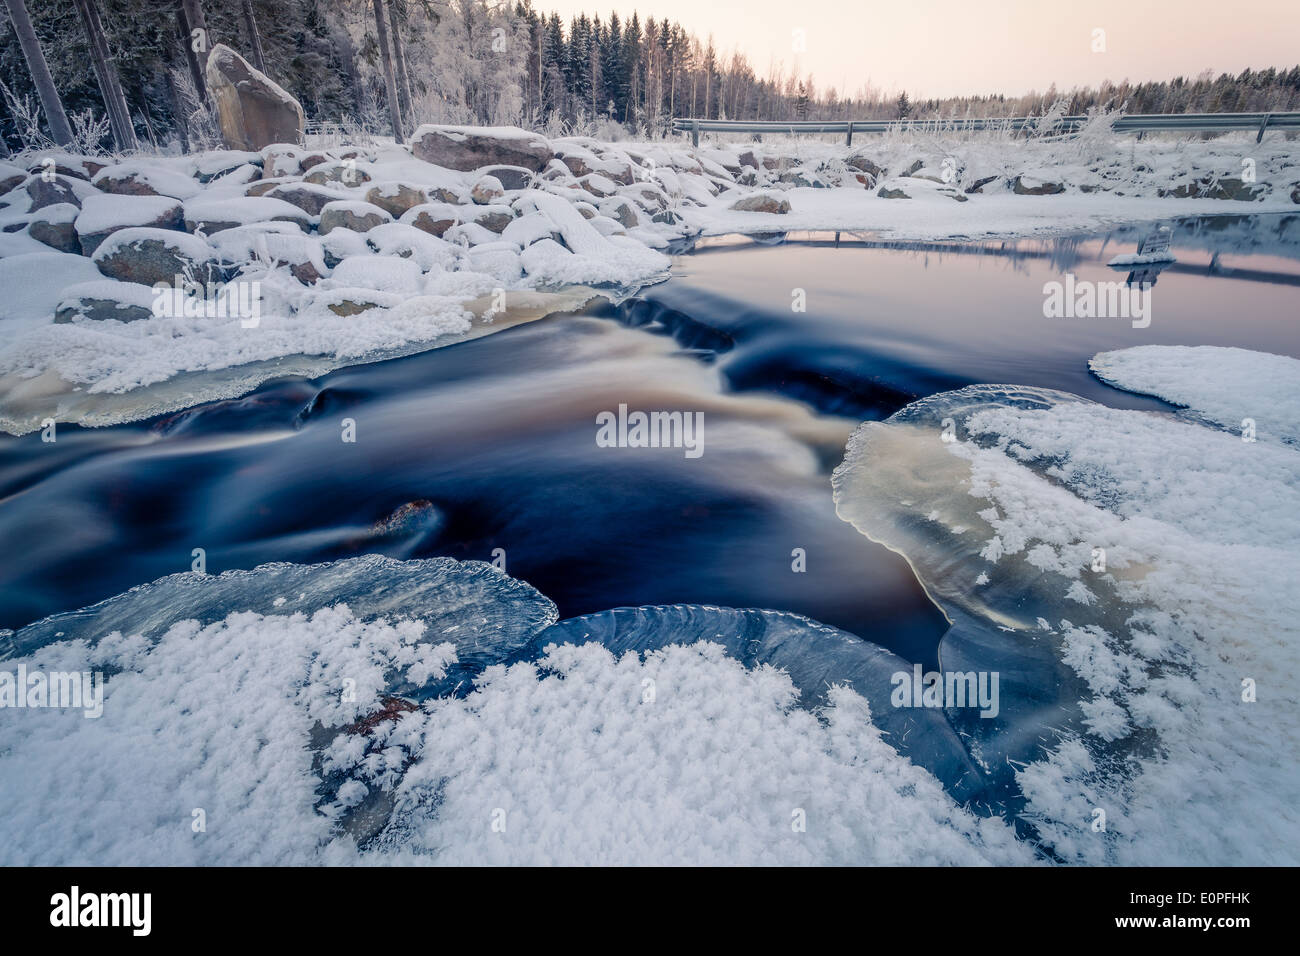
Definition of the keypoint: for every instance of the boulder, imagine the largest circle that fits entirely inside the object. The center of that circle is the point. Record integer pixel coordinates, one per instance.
(152, 256)
(67, 164)
(486, 190)
(468, 148)
(1208, 187)
(310, 198)
(53, 226)
(253, 111)
(51, 191)
(103, 215)
(493, 218)
(105, 300)
(351, 214)
(864, 165)
(216, 214)
(396, 198)
(433, 218)
(347, 173)
(762, 202)
(145, 178)
(11, 177)
(1030, 186)
(888, 192)
(510, 177)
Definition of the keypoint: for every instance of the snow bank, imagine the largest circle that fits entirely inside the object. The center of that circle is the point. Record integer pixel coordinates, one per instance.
(274, 735)
(1225, 386)
(1131, 576)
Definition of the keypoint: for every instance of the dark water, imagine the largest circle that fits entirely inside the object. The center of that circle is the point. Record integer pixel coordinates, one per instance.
(490, 444)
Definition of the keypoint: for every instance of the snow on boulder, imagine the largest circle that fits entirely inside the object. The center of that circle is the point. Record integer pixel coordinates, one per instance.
(106, 300)
(213, 215)
(25, 300)
(528, 229)
(500, 260)
(762, 202)
(487, 190)
(304, 256)
(379, 273)
(468, 234)
(253, 111)
(53, 226)
(409, 242)
(345, 172)
(396, 198)
(11, 177)
(308, 197)
(220, 163)
(152, 256)
(470, 147)
(510, 177)
(351, 214)
(106, 213)
(67, 164)
(50, 191)
(145, 178)
(434, 218)
(493, 218)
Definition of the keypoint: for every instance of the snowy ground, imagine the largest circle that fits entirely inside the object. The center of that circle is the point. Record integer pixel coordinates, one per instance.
(411, 255)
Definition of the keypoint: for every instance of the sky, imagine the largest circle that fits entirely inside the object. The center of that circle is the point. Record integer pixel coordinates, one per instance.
(936, 48)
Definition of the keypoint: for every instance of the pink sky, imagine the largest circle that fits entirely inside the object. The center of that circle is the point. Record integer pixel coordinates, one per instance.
(945, 47)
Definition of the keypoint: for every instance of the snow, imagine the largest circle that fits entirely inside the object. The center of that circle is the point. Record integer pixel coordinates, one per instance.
(1222, 385)
(1140, 671)
(192, 247)
(125, 293)
(1124, 177)
(383, 273)
(159, 175)
(248, 721)
(242, 211)
(105, 211)
(26, 303)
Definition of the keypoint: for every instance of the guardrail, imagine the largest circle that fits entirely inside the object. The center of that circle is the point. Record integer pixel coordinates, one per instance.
(1135, 123)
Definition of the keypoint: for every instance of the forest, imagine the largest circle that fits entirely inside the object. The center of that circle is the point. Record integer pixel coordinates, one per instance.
(128, 73)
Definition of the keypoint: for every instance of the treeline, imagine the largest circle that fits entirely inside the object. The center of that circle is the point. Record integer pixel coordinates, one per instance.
(473, 61)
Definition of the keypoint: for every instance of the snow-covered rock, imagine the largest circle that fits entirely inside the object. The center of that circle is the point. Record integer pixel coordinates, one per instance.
(470, 147)
(351, 214)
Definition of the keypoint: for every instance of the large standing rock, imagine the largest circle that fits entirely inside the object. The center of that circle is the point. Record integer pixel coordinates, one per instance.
(471, 147)
(252, 110)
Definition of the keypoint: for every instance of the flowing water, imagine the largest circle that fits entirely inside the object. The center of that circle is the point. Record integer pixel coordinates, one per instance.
(488, 448)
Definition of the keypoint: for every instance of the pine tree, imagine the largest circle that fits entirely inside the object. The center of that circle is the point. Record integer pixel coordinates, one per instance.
(60, 129)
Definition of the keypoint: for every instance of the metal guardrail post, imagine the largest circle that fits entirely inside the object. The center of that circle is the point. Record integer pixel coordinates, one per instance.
(848, 134)
(695, 134)
(1259, 137)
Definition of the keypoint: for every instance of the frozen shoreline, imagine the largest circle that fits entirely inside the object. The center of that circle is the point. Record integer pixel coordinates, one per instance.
(360, 253)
